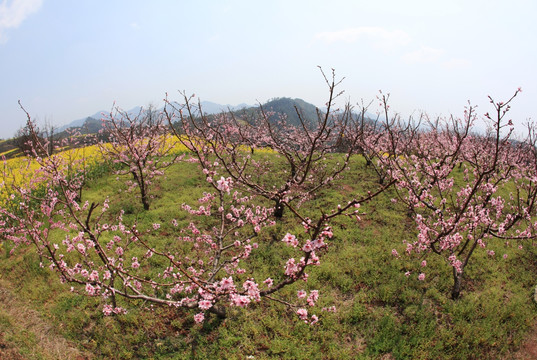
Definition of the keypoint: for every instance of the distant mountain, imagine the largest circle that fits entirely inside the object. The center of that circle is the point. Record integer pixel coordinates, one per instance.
(80, 122)
(287, 106)
(209, 107)
(91, 126)
(283, 105)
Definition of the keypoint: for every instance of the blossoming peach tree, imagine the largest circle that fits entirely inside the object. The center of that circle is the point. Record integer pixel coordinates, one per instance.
(140, 144)
(206, 267)
(94, 250)
(299, 156)
(464, 190)
(295, 167)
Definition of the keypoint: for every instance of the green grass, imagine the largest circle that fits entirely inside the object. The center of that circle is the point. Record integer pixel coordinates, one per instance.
(379, 310)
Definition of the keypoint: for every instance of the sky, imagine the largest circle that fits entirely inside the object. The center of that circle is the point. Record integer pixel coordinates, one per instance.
(65, 60)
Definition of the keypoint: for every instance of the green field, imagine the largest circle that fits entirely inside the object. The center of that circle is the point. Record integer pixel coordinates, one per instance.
(381, 313)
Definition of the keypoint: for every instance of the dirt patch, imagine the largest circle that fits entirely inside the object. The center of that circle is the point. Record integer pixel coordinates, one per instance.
(346, 189)
(7, 351)
(528, 349)
(48, 343)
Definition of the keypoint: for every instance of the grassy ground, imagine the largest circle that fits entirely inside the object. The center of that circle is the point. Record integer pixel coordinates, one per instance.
(381, 313)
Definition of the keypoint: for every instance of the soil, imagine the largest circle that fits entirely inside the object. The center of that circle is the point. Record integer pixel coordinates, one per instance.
(528, 349)
(50, 345)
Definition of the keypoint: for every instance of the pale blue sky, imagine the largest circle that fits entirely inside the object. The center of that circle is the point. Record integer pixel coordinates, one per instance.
(68, 59)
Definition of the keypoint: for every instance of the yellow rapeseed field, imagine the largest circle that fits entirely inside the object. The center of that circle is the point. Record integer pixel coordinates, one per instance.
(20, 170)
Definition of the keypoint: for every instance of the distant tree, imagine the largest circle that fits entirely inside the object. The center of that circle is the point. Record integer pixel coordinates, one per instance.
(28, 137)
(140, 144)
(49, 133)
(25, 138)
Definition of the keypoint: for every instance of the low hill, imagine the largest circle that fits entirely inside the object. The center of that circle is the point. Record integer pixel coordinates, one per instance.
(292, 108)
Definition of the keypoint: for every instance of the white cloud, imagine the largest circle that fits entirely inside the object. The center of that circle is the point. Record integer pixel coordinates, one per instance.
(13, 13)
(383, 38)
(423, 55)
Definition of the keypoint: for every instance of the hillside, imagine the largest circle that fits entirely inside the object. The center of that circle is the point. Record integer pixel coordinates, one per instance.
(8, 148)
(380, 313)
(92, 124)
(291, 108)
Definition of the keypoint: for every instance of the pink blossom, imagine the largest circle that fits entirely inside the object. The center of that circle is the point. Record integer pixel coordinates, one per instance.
(314, 296)
(94, 276)
(224, 184)
(302, 313)
(290, 267)
(107, 310)
(252, 289)
(240, 300)
(205, 304)
(226, 283)
(199, 317)
(328, 232)
(119, 310)
(81, 248)
(329, 309)
(308, 246)
(90, 289)
(421, 277)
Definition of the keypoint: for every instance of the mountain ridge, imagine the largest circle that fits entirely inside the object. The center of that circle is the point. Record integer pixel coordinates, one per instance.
(283, 105)
(279, 105)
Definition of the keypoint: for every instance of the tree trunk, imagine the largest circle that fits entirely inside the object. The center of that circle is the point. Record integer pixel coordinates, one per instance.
(457, 280)
(143, 191)
(278, 209)
(145, 200)
(220, 312)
